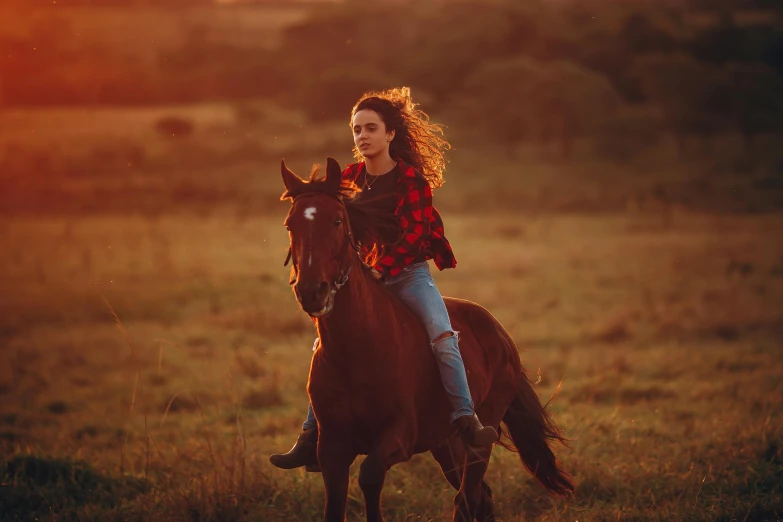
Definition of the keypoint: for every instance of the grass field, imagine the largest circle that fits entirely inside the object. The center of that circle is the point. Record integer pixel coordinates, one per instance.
(114, 159)
(666, 336)
(155, 356)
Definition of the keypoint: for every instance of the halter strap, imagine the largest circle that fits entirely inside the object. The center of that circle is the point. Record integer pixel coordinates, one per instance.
(340, 281)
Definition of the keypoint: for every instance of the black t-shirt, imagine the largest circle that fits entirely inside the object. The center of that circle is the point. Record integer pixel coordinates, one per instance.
(374, 188)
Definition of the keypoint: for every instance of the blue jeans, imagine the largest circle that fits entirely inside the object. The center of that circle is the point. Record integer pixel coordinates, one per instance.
(415, 287)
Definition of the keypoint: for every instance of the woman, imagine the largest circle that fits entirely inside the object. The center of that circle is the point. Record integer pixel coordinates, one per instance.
(400, 153)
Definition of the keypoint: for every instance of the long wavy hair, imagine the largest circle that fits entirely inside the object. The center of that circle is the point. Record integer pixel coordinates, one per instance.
(417, 142)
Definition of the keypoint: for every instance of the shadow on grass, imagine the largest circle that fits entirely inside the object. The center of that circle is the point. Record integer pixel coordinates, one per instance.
(32, 487)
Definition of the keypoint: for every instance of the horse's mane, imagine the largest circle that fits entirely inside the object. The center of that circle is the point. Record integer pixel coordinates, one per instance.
(371, 227)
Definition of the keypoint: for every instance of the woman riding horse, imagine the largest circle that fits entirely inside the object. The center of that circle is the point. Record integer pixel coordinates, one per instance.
(374, 388)
(401, 154)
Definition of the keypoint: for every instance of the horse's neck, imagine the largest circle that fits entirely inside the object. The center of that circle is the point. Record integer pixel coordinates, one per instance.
(360, 306)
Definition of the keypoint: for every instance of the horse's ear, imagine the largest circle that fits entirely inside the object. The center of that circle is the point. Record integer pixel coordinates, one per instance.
(334, 174)
(290, 180)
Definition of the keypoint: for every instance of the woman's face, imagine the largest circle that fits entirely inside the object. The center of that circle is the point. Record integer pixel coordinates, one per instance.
(369, 133)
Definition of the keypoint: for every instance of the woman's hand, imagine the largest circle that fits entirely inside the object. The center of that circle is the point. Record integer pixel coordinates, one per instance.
(377, 275)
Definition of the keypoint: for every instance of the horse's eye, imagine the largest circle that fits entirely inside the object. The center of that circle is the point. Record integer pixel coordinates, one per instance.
(338, 222)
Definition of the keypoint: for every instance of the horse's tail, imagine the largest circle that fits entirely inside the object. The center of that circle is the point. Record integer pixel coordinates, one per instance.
(531, 428)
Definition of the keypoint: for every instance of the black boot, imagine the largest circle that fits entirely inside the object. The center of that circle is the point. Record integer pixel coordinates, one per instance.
(302, 454)
(473, 433)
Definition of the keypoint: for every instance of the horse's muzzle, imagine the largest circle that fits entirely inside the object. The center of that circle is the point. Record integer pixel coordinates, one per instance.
(316, 299)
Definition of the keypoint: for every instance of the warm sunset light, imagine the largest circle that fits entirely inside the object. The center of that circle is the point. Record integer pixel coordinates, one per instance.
(391, 260)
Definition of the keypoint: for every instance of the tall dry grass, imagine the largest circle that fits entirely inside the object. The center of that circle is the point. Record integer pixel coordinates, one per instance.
(665, 334)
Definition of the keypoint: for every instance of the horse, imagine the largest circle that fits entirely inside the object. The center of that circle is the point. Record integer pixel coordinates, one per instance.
(374, 384)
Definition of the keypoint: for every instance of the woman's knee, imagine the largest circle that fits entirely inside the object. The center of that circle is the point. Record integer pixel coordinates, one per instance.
(445, 342)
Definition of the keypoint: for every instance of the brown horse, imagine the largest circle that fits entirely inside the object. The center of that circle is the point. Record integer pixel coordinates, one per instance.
(374, 383)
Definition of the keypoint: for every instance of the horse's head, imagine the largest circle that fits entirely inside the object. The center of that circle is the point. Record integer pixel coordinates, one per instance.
(319, 231)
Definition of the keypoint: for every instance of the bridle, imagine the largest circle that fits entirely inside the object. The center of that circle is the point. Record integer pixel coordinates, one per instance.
(342, 277)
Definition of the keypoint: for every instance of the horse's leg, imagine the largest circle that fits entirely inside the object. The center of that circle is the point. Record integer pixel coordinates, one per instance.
(335, 462)
(486, 510)
(450, 457)
(394, 446)
(372, 474)
(468, 499)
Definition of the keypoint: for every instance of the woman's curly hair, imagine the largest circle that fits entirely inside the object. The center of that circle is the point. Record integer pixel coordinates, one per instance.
(417, 142)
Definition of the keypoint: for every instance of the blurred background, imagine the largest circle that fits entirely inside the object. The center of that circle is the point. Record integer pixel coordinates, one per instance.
(614, 197)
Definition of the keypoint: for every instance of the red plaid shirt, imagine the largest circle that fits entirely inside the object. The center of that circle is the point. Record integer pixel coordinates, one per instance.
(421, 224)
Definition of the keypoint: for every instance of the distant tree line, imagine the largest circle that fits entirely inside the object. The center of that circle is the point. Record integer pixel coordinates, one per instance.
(529, 71)
(518, 70)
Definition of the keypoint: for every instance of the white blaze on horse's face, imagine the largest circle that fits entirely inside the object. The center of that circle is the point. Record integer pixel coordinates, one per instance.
(309, 215)
(318, 249)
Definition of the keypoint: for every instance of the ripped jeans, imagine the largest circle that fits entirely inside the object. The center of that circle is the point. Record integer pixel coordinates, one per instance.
(415, 287)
